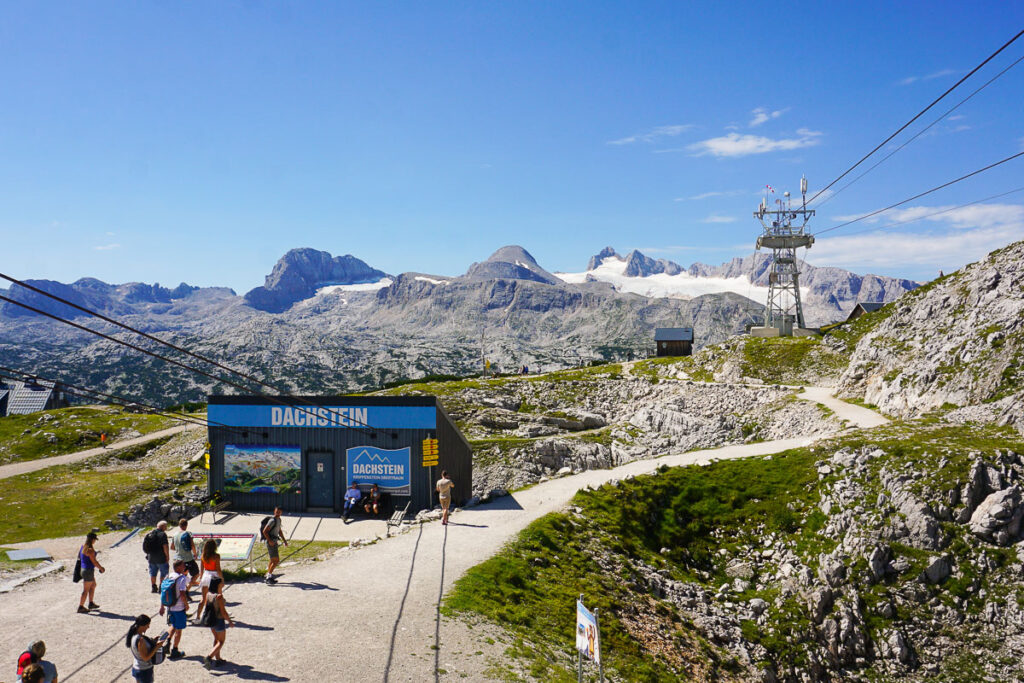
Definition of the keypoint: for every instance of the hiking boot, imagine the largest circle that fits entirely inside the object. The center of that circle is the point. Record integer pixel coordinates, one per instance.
(93, 605)
(271, 580)
(207, 662)
(176, 653)
(82, 610)
(155, 589)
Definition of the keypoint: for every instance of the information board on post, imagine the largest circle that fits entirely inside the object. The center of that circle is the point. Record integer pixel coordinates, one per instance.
(230, 547)
(588, 637)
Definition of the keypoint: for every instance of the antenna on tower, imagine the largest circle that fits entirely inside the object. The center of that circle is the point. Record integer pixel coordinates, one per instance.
(785, 231)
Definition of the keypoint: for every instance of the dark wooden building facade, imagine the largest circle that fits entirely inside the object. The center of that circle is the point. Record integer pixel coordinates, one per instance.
(674, 341)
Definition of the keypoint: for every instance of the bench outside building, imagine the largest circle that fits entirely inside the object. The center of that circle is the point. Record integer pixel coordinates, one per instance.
(301, 453)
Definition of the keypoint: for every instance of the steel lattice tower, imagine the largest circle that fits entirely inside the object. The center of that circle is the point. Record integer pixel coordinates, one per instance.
(785, 231)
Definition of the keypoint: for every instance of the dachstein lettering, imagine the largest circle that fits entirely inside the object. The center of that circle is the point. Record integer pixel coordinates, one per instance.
(317, 417)
(376, 469)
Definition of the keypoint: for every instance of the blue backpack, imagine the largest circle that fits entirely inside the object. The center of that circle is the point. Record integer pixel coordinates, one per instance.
(169, 590)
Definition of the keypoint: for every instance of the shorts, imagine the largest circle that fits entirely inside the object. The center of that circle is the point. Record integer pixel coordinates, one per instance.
(445, 502)
(143, 676)
(177, 620)
(209, 576)
(219, 625)
(274, 551)
(193, 568)
(89, 575)
(158, 568)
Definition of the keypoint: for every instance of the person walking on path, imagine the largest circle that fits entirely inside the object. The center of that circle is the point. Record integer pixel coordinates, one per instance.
(34, 656)
(273, 534)
(143, 649)
(87, 556)
(184, 549)
(176, 612)
(103, 439)
(219, 623)
(158, 555)
(210, 570)
(444, 491)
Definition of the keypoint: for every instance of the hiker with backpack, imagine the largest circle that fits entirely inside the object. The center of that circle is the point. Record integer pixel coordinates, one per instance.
(88, 565)
(146, 652)
(174, 599)
(184, 549)
(272, 531)
(217, 618)
(154, 544)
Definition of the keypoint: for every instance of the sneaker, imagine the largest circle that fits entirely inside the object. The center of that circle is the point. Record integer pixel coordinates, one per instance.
(156, 589)
(207, 662)
(176, 653)
(82, 610)
(93, 605)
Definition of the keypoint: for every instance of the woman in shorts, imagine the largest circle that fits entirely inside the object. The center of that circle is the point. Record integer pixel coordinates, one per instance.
(87, 556)
(210, 570)
(219, 624)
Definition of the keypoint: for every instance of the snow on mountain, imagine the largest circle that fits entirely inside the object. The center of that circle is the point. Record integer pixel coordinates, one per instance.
(612, 269)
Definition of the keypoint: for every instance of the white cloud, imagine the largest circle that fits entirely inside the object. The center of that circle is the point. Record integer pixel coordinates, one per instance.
(932, 76)
(709, 195)
(654, 134)
(715, 218)
(107, 247)
(961, 235)
(736, 145)
(762, 115)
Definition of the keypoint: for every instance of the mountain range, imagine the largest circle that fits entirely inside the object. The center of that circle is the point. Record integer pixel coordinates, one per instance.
(325, 323)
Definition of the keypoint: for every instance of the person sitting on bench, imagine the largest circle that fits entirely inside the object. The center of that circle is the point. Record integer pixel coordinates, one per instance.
(352, 497)
(372, 503)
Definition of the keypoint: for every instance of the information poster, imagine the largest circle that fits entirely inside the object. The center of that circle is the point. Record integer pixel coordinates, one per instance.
(390, 470)
(587, 639)
(262, 469)
(232, 547)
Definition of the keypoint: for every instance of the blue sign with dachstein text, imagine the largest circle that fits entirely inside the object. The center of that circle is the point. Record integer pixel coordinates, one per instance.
(388, 469)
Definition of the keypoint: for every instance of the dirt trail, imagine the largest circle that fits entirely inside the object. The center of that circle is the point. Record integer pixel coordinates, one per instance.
(366, 614)
(17, 468)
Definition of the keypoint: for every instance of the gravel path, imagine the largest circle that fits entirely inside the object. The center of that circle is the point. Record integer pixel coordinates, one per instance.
(365, 614)
(17, 468)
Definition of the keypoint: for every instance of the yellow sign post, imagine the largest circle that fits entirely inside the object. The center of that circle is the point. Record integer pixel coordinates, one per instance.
(430, 453)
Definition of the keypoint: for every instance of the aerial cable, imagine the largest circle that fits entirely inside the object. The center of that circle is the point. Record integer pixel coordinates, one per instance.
(125, 402)
(924, 130)
(937, 213)
(136, 347)
(95, 314)
(919, 115)
(922, 194)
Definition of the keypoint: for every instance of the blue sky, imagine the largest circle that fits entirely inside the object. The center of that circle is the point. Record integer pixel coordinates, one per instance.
(200, 141)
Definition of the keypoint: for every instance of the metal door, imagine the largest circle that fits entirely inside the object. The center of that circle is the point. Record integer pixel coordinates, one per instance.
(320, 480)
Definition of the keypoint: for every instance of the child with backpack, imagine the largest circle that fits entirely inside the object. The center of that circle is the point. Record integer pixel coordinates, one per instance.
(174, 599)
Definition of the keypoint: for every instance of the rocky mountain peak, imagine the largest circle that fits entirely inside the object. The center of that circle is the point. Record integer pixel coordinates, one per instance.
(511, 262)
(298, 274)
(600, 256)
(638, 265)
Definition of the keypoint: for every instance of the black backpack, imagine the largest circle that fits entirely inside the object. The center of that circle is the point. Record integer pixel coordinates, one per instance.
(263, 526)
(150, 544)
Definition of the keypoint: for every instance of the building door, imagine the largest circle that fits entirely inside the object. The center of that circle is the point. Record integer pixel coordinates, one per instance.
(320, 480)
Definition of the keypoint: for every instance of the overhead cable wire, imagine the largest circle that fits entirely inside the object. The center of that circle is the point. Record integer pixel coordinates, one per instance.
(918, 115)
(123, 401)
(922, 194)
(358, 423)
(937, 213)
(924, 130)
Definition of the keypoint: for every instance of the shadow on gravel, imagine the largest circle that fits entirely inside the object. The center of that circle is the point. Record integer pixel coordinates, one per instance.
(111, 615)
(301, 585)
(246, 673)
(401, 606)
(252, 627)
(475, 526)
(508, 502)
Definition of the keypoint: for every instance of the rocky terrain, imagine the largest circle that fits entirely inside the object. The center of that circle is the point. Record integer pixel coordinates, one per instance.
(336, 324)
(957, 342)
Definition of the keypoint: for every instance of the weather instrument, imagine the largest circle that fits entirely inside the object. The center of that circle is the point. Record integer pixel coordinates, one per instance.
(785, 231)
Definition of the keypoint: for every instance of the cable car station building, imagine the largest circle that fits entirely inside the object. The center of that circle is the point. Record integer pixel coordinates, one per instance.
(301, 453)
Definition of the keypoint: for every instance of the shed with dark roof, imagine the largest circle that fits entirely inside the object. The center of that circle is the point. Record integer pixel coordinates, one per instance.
(674, 341)
(24, 398)
(863, 307)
